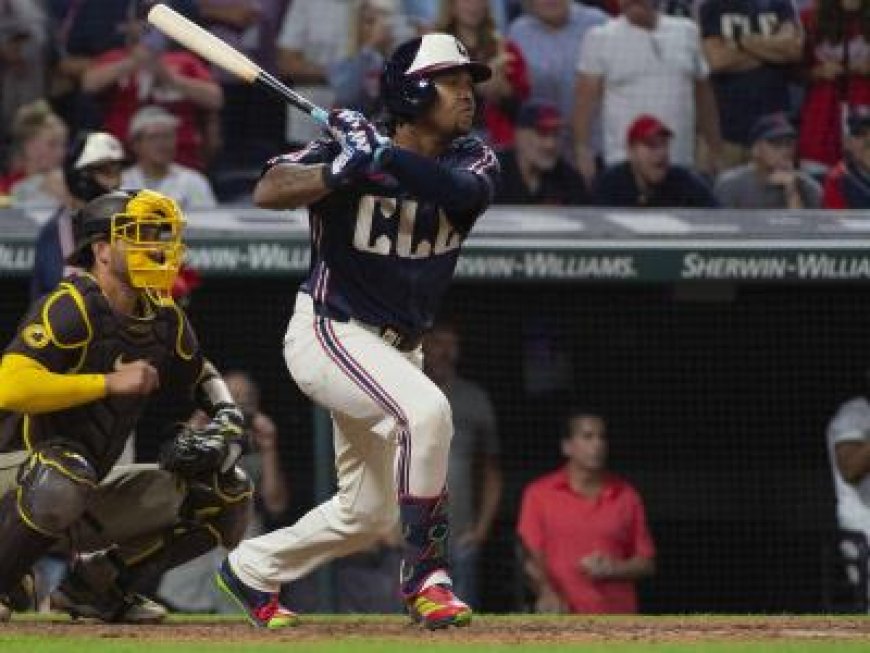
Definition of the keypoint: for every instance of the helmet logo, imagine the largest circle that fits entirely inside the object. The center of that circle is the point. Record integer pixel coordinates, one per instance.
(461, 49)
(34, 336)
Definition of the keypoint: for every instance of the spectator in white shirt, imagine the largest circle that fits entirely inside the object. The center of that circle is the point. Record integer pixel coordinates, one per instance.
(848, 443)
(153, 141)
(313, 37)
(643, 62)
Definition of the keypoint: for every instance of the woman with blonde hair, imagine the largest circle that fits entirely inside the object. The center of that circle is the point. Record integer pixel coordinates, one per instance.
(39, 139)
(472, 23)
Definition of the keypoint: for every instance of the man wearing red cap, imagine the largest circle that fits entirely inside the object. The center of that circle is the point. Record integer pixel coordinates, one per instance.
(648, 179)
(533, 171)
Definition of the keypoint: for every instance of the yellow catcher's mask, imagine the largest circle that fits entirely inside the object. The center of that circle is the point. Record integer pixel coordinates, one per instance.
(150, 229)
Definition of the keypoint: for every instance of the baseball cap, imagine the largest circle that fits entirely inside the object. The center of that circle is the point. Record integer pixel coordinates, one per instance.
(772, 127)
(151, 116)
(539, 115)
(646, 127)
(99, 147)
(859, 119)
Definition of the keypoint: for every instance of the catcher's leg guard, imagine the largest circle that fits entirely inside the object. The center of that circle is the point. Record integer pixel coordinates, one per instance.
(51, 496)
(20, 547)
(213, 514)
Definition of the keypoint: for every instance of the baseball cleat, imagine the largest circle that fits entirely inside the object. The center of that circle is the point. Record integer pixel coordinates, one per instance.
(90, 590)
(437, 607)
(262, 609)
(133, 608)
(20, 599)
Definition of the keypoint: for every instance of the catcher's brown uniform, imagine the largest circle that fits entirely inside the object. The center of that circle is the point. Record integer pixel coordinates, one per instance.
(56, 469)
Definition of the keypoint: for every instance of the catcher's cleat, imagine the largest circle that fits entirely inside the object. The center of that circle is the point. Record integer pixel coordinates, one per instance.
(262, 609)
(20, 599)
(438, 607)
(90, 591)
(135, 609)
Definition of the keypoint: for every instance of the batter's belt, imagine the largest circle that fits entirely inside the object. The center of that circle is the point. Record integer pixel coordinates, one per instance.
(404, 341)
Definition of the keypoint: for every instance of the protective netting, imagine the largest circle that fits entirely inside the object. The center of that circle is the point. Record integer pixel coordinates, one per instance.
(717, 399)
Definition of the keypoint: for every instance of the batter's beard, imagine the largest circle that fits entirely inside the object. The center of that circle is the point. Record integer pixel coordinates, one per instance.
(462, 129)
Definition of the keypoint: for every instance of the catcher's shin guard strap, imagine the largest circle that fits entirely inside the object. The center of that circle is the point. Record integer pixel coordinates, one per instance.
(178, 545)
(20, 545)
(213, 514)
(425, 529)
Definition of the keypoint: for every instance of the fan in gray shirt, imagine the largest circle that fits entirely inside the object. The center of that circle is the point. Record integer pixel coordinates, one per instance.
(474, 476)
(769, 180)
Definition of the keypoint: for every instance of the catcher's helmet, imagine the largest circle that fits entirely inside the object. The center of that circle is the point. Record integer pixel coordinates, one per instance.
(89, 149)
(149, 225)
(406, 81)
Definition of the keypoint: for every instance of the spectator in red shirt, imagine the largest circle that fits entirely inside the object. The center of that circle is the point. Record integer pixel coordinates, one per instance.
(838, 68)
(847, 186)
(145, 73)
(584, 529)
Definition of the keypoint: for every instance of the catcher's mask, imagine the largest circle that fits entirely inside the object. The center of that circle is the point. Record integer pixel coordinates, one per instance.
(148, 226)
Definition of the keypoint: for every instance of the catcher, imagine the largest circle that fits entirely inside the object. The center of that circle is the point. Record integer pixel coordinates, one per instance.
(74, 381)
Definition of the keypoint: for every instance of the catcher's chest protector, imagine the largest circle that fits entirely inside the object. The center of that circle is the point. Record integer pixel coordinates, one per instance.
(100, 429)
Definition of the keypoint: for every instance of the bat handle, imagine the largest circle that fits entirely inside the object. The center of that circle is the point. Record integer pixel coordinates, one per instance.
(320, 115)
(275, 85)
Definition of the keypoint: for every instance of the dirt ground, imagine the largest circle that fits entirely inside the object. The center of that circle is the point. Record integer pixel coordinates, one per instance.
(514, 630)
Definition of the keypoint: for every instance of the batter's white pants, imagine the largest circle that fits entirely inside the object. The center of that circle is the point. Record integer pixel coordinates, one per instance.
(391, 427)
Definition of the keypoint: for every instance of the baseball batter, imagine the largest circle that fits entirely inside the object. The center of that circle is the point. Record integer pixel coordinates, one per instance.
(387, 217)
(74, 380)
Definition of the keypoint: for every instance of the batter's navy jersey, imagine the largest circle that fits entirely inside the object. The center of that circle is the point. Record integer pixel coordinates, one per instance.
(380, 255)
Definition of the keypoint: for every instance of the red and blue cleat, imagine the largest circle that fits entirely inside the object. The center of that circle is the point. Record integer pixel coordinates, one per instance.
(262, 609)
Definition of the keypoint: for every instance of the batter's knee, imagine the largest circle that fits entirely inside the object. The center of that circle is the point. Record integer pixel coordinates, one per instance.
(55, 489)
(432, 420)
(431, 429)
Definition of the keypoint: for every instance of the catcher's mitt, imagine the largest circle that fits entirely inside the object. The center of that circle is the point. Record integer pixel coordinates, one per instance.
(194, 452)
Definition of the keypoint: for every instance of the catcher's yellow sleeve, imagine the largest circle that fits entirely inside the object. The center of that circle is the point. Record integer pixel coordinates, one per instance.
(28, 387)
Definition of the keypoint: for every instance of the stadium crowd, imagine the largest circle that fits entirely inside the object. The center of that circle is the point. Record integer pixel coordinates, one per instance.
(757, 104)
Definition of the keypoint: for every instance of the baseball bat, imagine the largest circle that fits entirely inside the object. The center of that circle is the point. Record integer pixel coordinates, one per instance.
(223, 55)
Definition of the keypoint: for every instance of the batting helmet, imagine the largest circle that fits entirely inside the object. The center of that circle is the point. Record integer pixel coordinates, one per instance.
(406, 81)
(88, 150)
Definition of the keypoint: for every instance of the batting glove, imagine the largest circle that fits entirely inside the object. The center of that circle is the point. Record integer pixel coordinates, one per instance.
(359, 142)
